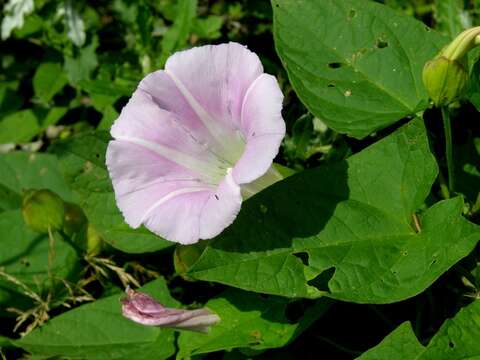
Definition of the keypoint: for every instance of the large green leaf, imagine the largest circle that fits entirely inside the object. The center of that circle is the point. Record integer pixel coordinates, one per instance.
(248, 320)
(24, 255)
(457, 339)
(83, 159)
(355, 64)
(22, 171)
(99, 331)
(352, 219)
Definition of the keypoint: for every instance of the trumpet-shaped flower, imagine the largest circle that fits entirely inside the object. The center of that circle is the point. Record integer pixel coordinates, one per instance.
(145, 310)
(193, 140)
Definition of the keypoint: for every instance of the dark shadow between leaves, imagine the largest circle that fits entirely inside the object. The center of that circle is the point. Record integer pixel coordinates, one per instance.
(295, 208)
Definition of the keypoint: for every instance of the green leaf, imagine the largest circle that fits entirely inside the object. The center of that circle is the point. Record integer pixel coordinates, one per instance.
(401, 344)
(355, 64)
(248, 320)
(15, 12)
(83, 159)
(176, 36)
(208, 28)
(99, 331)
(22, 171)
(351, 224)
(80, 68)
(48, 80)
(456, 339)
(19, 127)
(24, 254)
(451, 17)
(52, 116)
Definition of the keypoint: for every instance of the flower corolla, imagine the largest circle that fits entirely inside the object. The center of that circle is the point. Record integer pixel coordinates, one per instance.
(194, 140)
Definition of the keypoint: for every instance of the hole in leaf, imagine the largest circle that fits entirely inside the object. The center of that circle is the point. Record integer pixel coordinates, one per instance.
(427, 29)
(295, 310)
(321, 280)
(331, 85)
(25, 262)
(303, 256)
(451, 344)
(433, 262)
(351, 14)
(334, 65)
(381, 44)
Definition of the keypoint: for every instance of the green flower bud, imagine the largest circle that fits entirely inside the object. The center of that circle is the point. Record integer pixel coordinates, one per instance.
(75, 221)
(94, 241)
(444, 79)
(43, 209)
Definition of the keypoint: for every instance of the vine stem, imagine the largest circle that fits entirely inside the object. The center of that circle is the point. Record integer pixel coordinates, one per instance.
(448, 146)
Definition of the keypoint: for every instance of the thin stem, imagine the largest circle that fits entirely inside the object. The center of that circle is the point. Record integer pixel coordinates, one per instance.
(448, 146)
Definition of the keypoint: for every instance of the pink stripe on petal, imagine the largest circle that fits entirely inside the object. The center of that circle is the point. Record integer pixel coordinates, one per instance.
(218, 77)
(178, 219)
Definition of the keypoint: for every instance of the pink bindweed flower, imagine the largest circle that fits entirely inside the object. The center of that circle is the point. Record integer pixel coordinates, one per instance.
(195, 139)
(145, 310)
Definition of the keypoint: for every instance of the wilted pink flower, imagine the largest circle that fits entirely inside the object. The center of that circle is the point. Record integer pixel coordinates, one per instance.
(193, 139)
(143, 309)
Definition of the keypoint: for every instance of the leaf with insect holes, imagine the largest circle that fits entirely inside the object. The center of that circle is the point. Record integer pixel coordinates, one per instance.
(355, 64)
(345, 230)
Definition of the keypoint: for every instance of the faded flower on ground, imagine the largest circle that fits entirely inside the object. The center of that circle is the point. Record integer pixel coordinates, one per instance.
(145, 310)
(194, 140)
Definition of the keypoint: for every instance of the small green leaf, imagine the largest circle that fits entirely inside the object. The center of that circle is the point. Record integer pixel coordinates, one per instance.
(345, 230)
(48, 80)
(99, 331)
(208, 28)
(355, 64)
(176, 36)
(451, 17)
(83, 159)
(248, 321)
(19, 127)
(81, 67)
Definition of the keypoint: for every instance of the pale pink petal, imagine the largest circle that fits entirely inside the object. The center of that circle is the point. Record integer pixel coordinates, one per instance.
(141, 178)
(221, 208)
(217, 76)
(178, 218)
(142, 118)
(263, 128)
(165, 95)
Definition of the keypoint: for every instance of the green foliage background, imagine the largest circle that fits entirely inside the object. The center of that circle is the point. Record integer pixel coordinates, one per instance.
(361, 253)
